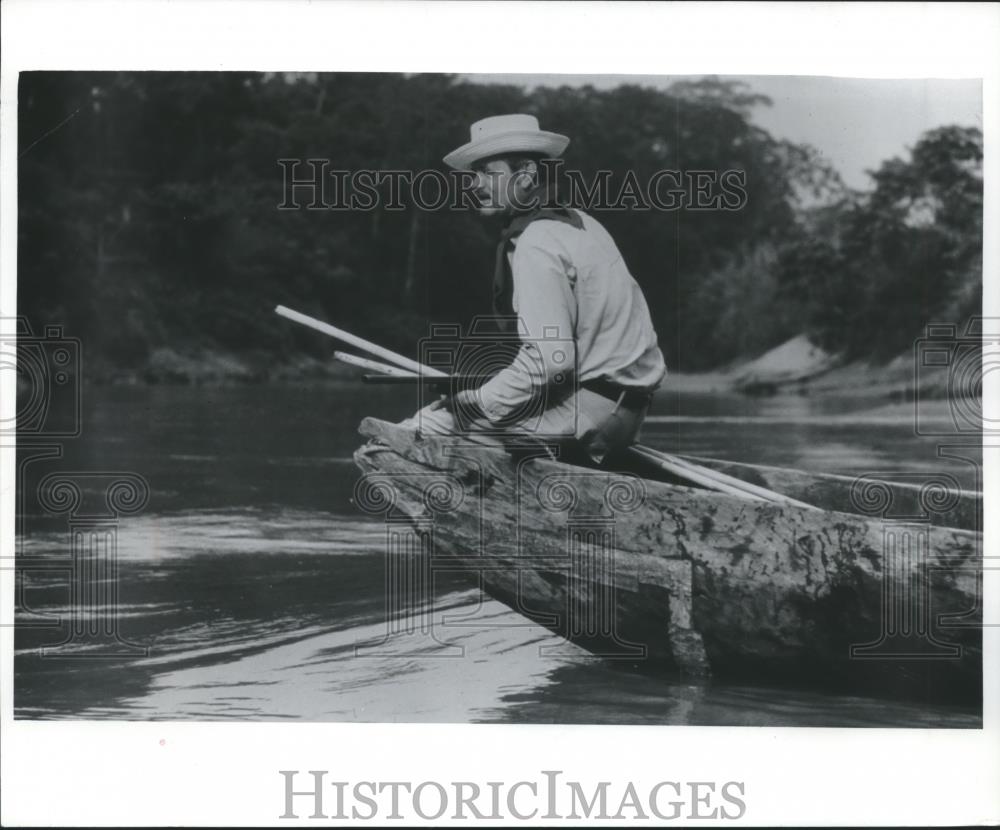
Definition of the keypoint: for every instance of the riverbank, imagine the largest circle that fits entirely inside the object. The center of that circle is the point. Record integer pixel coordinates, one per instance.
(895, 381)
(210, 367)
(799, 368)
(795, 367)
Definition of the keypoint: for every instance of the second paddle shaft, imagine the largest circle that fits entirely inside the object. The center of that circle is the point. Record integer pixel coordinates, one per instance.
(358, 342)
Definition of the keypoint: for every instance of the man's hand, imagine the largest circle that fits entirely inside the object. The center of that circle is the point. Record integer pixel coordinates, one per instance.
(467, 401)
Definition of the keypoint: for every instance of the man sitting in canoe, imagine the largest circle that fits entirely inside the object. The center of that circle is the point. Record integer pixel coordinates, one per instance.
(588, 353)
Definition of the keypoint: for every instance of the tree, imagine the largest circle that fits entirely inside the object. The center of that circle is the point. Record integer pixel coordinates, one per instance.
(149, 211)
(872, 271)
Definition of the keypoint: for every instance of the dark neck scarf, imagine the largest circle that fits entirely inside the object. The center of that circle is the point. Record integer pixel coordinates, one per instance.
(503, 282)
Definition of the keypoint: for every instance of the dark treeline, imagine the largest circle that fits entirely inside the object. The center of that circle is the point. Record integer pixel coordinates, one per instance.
(148, 216)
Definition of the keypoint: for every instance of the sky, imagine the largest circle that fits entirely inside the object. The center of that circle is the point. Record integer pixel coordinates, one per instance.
(855, 123)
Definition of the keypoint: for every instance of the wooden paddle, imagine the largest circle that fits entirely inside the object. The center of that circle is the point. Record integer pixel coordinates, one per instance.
(418, 372)
(713, 479)
(357, 342)
(384, 369)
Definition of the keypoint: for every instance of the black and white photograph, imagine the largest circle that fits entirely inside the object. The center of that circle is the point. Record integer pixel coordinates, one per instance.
(561, 399)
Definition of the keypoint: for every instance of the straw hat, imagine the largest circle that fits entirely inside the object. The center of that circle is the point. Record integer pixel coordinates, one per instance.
(499, 134)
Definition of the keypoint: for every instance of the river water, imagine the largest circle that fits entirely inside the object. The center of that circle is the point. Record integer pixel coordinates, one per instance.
(251, 588)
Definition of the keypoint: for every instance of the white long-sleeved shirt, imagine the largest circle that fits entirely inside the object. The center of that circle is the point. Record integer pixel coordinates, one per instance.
(579, 310)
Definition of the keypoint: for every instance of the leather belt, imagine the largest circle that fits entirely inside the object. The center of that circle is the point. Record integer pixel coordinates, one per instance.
(631, 397)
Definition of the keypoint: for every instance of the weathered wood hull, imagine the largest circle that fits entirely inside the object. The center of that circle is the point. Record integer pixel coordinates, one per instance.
(674, 578)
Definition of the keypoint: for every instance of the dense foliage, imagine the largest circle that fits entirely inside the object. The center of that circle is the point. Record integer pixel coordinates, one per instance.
(148, 216)
(870, 272)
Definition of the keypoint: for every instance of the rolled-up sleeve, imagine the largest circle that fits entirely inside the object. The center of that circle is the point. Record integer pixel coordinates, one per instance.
(546, 307)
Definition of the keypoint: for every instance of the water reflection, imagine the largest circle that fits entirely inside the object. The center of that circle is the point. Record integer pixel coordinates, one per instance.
(254, 582)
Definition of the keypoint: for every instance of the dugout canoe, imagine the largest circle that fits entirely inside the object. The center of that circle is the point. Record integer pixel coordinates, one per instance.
(874, 587)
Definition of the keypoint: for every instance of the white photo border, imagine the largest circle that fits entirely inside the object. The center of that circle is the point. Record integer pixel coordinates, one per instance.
(177, 773)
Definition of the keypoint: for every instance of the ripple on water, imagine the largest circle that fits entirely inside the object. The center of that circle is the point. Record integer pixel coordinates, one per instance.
(275, 610)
